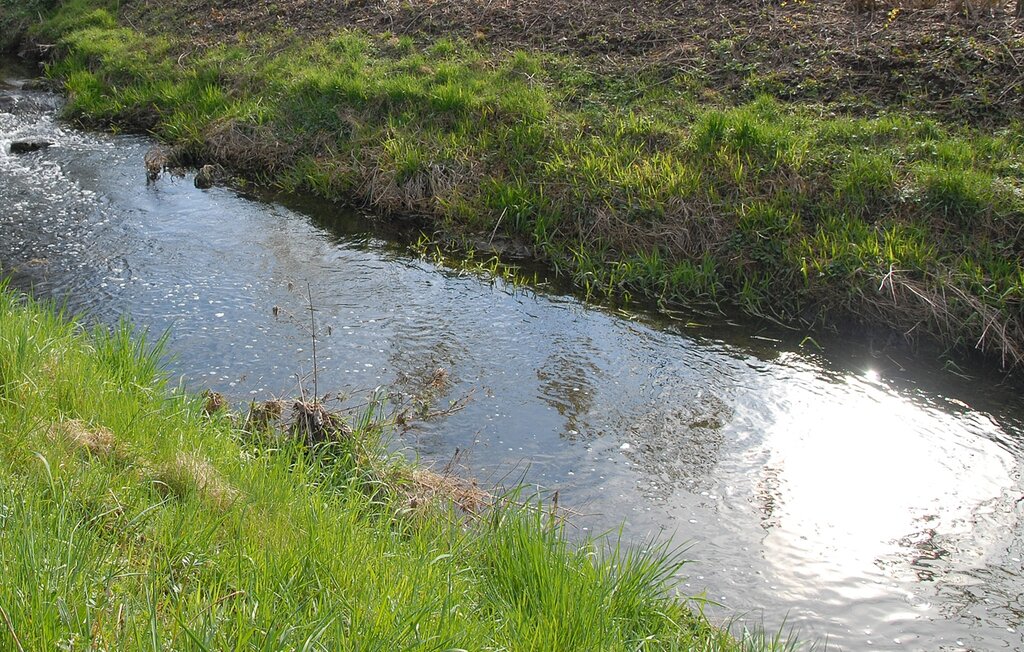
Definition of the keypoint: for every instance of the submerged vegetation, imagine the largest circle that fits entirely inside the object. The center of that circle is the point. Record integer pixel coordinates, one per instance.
(632, 181)
(135, 516)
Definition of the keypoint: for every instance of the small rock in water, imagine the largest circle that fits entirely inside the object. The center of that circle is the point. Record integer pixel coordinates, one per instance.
(204, 178)
(27, 146)
(156, 161)
(624, 447)
(36, 85)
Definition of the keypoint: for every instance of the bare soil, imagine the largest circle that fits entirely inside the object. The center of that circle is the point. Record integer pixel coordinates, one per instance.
(960, 63)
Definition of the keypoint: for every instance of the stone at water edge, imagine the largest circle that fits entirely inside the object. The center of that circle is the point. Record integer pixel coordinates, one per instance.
(204, 178)
(27, 146)
(36, 85)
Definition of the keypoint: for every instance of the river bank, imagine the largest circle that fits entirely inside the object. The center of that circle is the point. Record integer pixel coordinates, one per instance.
(679, 187)
(134, 515)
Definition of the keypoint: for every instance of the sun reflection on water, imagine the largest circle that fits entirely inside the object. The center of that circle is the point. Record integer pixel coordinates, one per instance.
(866, 479)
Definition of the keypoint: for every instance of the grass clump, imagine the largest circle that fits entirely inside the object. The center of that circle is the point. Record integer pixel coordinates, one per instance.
(134, 516)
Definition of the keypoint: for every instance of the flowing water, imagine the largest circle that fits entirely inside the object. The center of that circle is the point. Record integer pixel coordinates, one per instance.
(855, 495)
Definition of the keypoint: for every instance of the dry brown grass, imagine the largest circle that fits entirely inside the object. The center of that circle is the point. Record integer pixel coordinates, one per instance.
(314, 424)
(427, 487)
(967, 8)
(156, 160)
(687, 229)
(184, 475)
(422, 193)
(940, 307)
(253, 150)
(189, 474)
(97, 441)
(264, 415)
(214, 402)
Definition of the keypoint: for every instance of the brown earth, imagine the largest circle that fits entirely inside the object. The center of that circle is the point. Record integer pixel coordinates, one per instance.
(965, 65)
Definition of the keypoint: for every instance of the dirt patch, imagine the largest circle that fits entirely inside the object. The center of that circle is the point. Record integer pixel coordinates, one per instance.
(965, 61)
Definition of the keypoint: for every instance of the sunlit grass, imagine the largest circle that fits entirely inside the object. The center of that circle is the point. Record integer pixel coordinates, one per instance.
(624, 183)
(130, 520)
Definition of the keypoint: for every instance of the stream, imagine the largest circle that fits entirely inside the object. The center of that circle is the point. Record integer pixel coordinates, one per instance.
(849, 493)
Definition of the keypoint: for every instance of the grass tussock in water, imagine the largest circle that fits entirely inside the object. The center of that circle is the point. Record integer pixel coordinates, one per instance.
(632, 185)
(132, 518)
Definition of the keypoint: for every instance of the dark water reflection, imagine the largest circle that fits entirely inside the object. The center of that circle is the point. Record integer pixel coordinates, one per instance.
(864, 497)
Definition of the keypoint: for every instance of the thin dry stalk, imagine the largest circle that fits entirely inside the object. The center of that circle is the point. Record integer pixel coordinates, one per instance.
(10, 628)
(312, 335)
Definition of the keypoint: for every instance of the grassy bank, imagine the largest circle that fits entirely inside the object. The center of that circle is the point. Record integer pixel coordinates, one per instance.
(129, 519)
(814, 209)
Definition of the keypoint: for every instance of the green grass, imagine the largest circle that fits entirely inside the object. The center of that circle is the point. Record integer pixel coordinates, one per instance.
(625, 183)
(131, 520)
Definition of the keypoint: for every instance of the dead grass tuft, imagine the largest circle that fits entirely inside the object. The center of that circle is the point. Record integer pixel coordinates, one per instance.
(687, 229)
(96, 440)
(314, 424)
(940, 307)
(428, 487)
(250, 149)
(263, 416)
(188, 474)
(156, 160)
(420, 193)
(214, 403)
(439, 379)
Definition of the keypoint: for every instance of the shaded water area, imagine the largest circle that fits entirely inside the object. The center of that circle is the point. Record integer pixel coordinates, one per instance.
(854, 494)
